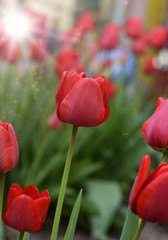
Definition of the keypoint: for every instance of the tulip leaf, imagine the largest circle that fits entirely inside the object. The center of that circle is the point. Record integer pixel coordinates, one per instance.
(130, 226)
(69, 235)
(107, 197)
(25, 237)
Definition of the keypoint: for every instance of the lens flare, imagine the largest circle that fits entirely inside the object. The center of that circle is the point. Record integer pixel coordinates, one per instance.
(17, 26)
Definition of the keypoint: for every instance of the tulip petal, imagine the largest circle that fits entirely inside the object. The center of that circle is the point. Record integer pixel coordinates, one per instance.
(152, 201)
(141, 177)
(83, 105)
(14, 191)
(31, 191)
(160, 100)
(6, 150)
(14, 139)
(23, 215)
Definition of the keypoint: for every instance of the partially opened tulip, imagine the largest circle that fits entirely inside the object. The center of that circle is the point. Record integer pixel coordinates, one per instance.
(26, 209)
(155, 129)
(85, 21)
(38, 50)
(10, 52)
(111, 89)
(9, 150)
(148, 198)
(139, 46)
(82, 101)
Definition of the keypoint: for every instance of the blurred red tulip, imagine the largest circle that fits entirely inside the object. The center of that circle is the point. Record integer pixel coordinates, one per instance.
(26, 209)
(38, 50)
(111, 89)
(68, 59)
(38, 22)
(9, 150)
(155, 129)
(10, 52)
(148, 198)
(54, 122)
(109, 38)
(149, 67)
(85, 21)
(139, 46)
(134, 28)
(82, 101)
(157, 37)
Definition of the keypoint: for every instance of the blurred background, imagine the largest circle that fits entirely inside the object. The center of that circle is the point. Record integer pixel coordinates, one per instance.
(124, 40)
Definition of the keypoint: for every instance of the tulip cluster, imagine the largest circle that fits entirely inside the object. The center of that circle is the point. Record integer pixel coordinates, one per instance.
(148, 197)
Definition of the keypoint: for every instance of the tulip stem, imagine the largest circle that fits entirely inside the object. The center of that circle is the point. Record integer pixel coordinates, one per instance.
(21, 236)
(63, 185)
(2, 185)
(141, 226)
(164, 157)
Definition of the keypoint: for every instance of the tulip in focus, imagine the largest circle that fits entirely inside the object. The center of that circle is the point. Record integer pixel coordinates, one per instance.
(134, 28)
(109, 38)
(157, 37)
(68, 60)
(82, 101)
(155, 129)
(9, 150)
(26, 209)
(54, 122)
(38, 50)
(148, 198)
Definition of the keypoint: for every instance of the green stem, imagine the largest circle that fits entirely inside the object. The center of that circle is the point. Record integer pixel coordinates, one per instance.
(164, 157)
(21, 236)
(2, 185)
(141, 226)
(63, 185)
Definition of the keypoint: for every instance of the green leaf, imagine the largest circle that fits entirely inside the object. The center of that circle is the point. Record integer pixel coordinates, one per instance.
(130, 226)
(25, 237)
(69, 235)
(107, 197)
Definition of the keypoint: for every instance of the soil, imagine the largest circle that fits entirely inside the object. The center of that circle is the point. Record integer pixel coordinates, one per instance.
(150, 232)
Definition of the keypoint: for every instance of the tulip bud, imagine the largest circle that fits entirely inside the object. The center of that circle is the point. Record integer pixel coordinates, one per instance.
(9, 150)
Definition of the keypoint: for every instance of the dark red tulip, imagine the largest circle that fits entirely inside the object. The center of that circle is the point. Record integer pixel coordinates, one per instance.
(38, 50)
(82, 101)
(54, 122)
(85, 22)
(139, 46)
(109, 38)
(155, 129)
(68, 60)
(26, 209)
(9, 150)
(148, 198)
(134, 28)
(157, 37)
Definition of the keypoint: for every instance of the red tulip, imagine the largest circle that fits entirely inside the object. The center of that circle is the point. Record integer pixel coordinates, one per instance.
(68, 60)
(157, 37)
(134, 28)
(38, 50)
(53, 121)
(111, 89)
(110, 36)
(26, 209)
(10, 52)
(149, 65)
(82, 101)
(155, 129)
(85, 21)
(139, 46)
(9, 150)
(38, 22)
(149, 196)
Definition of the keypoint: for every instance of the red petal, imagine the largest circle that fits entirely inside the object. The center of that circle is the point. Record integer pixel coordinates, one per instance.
(14, 191)
(31, 191)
